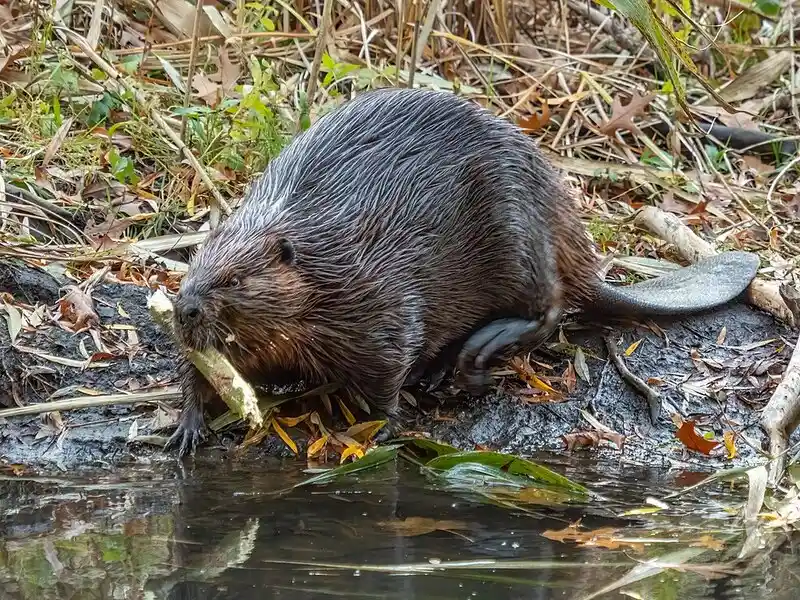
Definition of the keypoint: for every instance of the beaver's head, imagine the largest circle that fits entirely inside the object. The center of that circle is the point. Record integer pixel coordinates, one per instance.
(243, 288)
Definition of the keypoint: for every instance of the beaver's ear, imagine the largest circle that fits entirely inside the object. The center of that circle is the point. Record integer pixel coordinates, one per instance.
(286, 251)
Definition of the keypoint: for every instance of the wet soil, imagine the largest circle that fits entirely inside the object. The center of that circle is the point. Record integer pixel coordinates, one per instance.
(720, 381)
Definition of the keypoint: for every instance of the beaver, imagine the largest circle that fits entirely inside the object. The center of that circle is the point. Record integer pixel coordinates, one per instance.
(405, 232)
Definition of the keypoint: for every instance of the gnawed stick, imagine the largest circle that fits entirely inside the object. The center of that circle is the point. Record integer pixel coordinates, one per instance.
(220, 373)
(761, 294)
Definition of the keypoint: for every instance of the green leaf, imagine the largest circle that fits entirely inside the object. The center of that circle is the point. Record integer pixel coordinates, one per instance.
(377, 456)
(428, 446)
(669, 49)
(511, 464)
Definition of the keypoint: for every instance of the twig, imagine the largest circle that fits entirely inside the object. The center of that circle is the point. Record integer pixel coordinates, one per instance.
(414, 41)
(170, 393)
(322, 38)
(198, 11)
(46, 206)
(401, 27)
(762, 294)
(430, 17)
(652, 396)
(116, 78)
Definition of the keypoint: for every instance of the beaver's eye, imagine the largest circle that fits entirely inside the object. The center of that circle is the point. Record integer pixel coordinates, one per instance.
(235, 282)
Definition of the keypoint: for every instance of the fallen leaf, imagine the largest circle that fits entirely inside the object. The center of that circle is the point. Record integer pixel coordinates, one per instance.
(605, 537)
(581, 368)
(692, 440)
(365, 431)
(229, 72)
(317, 446)
(292, 421)
(206, 89)
(414, 526)
(14, 320)
(582, 439)
(352, 450)
(351, 420)
(569, 378)
(284, 436)
(77, 307)
(729, 438)
(55, 144)
(722, 333)
(535, 121)
(632, 348)
(622, 116)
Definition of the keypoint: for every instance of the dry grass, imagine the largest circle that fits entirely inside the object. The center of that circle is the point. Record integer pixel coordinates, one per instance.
(96, 102)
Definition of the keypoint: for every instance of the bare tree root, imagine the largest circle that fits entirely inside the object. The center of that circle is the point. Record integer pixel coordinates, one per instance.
(652, 396)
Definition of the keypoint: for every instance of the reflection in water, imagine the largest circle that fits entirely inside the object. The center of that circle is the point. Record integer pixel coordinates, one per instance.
(218, 532)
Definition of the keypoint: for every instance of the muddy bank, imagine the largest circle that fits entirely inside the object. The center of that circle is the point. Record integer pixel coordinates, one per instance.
(718, 379)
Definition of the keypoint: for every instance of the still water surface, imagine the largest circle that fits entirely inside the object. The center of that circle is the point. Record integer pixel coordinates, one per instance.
(216, 532)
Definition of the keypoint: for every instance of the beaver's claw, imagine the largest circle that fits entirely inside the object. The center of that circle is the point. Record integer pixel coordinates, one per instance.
(190, 433)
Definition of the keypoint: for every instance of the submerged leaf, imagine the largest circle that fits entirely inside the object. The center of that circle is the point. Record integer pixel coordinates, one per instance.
(509, 464)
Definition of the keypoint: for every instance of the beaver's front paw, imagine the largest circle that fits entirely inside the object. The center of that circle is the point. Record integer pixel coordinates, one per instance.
(190, 433)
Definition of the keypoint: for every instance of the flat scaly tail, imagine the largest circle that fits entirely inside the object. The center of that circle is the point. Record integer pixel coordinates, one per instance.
(709, 283)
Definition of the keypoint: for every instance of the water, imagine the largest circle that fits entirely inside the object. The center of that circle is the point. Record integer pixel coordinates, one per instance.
(216, 532)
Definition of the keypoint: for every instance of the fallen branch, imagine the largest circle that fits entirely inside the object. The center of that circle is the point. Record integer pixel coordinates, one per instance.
(652, 396)
(220, 373)
(91, 402)
(761, 294)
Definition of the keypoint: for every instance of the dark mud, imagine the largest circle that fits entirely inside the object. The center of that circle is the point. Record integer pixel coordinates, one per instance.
(720, 385)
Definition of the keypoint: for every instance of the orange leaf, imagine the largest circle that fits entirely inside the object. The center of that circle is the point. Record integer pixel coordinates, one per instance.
(535, 121)
(730, 443)
(292, 421)
(690, 438)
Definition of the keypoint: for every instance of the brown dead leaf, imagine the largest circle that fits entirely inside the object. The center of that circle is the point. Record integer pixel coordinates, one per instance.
(692, 440)
(209, 91)
(414, 526)
(12, 53)
(569, 378)
(229, 72)
(55, 144)
(605, 537)
(77, 308)
(535, 120)
(707, 541)
(582, 439)
(622, 116)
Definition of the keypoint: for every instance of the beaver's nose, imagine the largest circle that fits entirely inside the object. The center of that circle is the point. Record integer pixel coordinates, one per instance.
(188, 311)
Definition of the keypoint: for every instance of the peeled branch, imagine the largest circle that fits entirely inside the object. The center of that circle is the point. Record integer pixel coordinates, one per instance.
(220, 373)
(761, 294)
